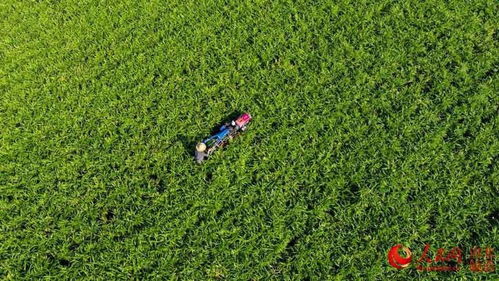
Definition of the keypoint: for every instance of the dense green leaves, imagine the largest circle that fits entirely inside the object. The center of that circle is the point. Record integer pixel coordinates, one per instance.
(375, 123)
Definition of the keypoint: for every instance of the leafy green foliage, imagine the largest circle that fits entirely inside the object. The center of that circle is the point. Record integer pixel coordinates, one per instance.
(375, 123)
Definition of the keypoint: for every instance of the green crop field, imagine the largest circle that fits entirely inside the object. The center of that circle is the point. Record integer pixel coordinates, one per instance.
(375, 123)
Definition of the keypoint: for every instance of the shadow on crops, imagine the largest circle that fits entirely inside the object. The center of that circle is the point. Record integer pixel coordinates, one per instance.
(227, 119)
(188, 143)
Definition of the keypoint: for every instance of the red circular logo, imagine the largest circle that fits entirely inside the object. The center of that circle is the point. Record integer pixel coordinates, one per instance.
(397, 261)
